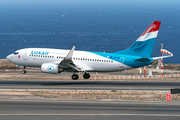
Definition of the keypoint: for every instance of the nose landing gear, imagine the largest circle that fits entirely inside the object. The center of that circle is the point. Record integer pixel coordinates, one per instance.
(24, 72)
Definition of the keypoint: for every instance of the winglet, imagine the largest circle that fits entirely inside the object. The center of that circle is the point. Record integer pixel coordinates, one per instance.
(70, 54)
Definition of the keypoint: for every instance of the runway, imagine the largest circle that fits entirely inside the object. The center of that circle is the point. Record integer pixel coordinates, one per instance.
(59, 109)
(56, 109)
(88, 85)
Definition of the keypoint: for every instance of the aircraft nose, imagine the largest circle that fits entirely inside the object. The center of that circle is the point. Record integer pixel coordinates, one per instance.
(9, 57)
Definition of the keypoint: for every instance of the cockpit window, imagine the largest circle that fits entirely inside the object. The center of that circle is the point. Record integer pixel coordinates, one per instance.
(15, 53)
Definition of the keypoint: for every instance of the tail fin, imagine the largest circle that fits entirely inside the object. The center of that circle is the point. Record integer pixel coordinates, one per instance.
(143, 46)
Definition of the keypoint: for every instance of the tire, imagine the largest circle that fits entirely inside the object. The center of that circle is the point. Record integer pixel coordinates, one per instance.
(23, 72)
(86, 76)
(75, 77)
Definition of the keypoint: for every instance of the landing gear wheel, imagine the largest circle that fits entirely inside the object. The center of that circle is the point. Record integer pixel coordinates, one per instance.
(86, 76)
(24, 72)
(74, 76)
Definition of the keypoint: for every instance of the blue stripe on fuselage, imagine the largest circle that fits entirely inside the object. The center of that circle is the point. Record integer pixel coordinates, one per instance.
(129, 60)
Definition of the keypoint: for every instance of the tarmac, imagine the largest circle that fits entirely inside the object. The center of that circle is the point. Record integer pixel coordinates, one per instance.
(56, 109)
(18, 102)
(89, 85)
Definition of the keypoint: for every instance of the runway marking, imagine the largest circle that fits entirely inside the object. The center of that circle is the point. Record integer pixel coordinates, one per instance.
(95, 101)
(117, 108)
(32, 114)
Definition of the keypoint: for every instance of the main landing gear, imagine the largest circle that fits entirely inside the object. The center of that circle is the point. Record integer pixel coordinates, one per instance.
(85, 76)
(74, 76)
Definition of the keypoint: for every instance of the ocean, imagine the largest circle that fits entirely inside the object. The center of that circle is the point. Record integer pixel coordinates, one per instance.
(101, 26)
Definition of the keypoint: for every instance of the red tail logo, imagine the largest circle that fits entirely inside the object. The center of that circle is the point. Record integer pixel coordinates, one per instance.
(153, 27)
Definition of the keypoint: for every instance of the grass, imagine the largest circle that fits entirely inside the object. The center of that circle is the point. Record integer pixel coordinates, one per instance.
(114, 91)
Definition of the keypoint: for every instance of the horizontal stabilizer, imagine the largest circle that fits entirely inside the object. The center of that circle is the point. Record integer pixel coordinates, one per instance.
(157, 58)
(143, 60)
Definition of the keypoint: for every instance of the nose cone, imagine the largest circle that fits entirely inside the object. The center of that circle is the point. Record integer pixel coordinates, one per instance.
(9, 57)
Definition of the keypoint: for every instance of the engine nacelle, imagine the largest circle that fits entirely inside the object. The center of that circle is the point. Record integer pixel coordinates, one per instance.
(51, 68)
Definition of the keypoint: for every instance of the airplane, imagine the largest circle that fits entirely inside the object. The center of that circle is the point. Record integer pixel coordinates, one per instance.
(56, 61)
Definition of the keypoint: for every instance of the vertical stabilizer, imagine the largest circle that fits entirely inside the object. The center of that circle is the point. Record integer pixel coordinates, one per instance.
(143, 46)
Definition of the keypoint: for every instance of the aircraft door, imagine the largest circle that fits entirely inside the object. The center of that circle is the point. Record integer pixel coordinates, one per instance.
(121, 62)
(25, 56)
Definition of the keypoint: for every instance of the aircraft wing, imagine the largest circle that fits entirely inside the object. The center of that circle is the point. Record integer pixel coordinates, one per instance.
(68, 63)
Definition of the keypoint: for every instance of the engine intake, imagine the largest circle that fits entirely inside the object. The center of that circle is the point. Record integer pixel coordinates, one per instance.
(51, 68)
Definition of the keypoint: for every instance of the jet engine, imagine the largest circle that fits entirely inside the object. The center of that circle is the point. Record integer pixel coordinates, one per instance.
(51, 68)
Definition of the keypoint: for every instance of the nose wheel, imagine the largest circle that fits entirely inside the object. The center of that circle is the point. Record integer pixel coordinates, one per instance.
(24, 72)
(74, 76)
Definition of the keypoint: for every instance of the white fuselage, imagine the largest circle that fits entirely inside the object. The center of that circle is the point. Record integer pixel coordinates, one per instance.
(35, 57)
